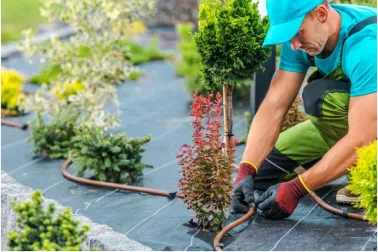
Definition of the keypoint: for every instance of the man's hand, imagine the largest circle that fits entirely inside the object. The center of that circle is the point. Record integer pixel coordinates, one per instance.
(280, 201)
(243, 195)
(243, 190)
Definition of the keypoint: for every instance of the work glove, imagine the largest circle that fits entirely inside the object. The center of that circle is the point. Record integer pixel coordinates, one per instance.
(243, 195)
(280, 201)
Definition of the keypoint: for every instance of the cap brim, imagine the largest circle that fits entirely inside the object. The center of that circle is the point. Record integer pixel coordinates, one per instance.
(281, 33)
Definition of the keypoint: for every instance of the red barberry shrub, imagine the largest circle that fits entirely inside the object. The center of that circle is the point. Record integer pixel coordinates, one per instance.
(206, 170)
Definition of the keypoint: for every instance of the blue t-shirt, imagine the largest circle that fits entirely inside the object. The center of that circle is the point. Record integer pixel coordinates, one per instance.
(359, 59)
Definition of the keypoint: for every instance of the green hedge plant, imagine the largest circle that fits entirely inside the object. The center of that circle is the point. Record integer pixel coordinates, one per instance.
(206, 169)
(54, 139)
(363, 180)
(39, 229)
(113, 158)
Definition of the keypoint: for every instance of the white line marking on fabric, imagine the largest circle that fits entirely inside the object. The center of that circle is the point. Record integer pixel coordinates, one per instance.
(312, 209)
(106, 195)
(282, 169)
(371, 237)
(6, 146)
(88, 204)
(161, 167)
(57, 183)
(169, 131)
(26, 165)
(77, 212)
(191, 239)
(144, 220)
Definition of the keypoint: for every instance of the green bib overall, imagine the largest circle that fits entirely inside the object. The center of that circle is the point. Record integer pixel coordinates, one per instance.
(326, 103)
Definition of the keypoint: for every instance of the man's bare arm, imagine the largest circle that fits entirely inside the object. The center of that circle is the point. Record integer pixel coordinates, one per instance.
(268, 120)
(362, 119)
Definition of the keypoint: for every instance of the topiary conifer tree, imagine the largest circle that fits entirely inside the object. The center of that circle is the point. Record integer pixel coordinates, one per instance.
(229, 40)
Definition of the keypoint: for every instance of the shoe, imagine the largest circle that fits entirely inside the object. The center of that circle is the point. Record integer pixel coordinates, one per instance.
(346, 197)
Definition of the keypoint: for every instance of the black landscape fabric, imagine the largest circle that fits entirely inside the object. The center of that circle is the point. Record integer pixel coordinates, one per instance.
(158, 104)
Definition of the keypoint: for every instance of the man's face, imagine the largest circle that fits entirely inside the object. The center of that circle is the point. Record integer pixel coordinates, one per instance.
(312, 35)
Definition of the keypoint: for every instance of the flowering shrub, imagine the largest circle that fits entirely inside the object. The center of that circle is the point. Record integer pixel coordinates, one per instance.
(11, 94)
(133, 52)
(40, 231)
(63, 91)
(363, 180)
(206, 182)
(92, 56)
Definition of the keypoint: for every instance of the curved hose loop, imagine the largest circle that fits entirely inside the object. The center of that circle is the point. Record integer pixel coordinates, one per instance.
(249, 214)
(228, 228)
(91, 182)
(14, 125)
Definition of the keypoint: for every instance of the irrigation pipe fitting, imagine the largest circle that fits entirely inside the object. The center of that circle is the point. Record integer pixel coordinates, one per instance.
(14, 125)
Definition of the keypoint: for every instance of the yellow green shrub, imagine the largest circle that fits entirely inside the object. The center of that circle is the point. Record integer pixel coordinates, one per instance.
(11, 85)
(63, 90)
(40, 228)
(363, 180)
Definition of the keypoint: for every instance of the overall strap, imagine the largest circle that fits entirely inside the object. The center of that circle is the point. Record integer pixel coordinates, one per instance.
(356, 28)
(360, 25)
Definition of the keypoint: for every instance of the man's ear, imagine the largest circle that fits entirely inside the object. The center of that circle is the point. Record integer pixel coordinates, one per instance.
(321, 13)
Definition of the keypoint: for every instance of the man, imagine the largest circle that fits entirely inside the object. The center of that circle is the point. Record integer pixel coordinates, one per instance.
(340, 100)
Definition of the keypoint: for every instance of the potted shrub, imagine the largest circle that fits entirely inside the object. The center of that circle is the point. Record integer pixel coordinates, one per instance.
(113, 158)
(229, 41)
(39, 229)
(206, 169)
(363, 180)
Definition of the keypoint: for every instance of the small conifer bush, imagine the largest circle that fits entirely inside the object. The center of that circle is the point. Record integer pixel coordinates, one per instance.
(113, 158)
(38, 229)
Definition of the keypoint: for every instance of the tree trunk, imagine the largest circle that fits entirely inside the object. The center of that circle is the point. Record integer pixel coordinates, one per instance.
(227, 108)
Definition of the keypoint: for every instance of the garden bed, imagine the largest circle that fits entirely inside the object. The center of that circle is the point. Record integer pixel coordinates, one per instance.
(157, 104)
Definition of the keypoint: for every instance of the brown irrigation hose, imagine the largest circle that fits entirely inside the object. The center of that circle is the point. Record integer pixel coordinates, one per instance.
(336, 211)
(91, 182)
(217, 245)
(14, 125)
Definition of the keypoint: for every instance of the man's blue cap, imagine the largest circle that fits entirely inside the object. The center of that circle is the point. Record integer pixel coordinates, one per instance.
(285, 18)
